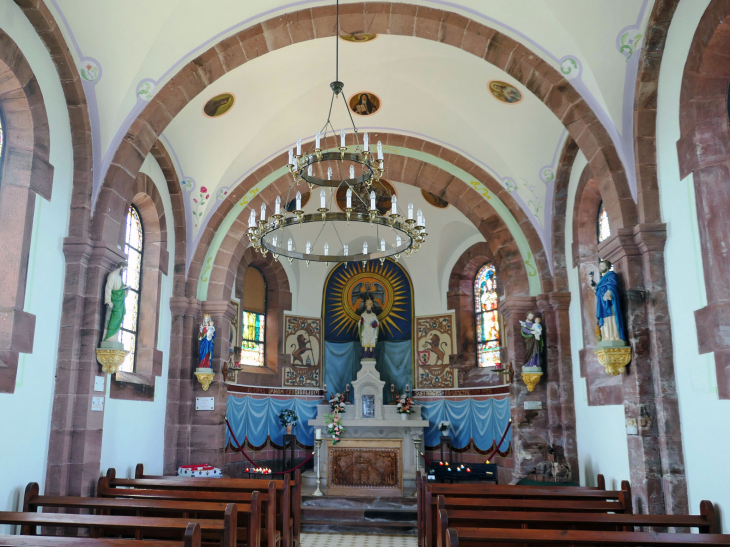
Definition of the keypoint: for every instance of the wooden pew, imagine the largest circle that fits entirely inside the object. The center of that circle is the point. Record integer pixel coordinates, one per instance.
(288, 499)
(295, 487)
(249, 514)
(190, 539)
(477, 537)
(705, 522)
(527, 499)
(138, 527)
(267, 500)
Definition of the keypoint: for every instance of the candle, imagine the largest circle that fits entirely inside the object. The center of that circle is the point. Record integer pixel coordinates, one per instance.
(372, 199)
(423, 220)
(317, 138)
(309, 170)
(419, 217)
(352, 171)
(382, 245)
(346, 248)
(347, 387)
(365, 247)
(349, 198)
(299, 147)
(263, 211)
(326, 248)
(252, 219)
(289, 245)
(342, 138)
(322, 198)
(329, 173)
(365, 146)
(309, 247)
(274, 240)
(299, 201)
(291, 156)
(380, 150)
(277, 205)
(410, 211)
(318, 434)
(398, 241)
(394, 208)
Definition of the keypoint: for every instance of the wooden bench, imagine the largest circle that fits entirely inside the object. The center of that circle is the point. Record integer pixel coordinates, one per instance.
(705, 522)
(476, 537)
(137, 527)
(249, 514)
(267, 500)
(295, 490)
(190, 539)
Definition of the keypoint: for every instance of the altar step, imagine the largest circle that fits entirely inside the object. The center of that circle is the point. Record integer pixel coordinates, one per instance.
(387, 516)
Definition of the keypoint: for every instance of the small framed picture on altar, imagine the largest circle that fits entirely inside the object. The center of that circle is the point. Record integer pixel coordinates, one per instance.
(368, 406)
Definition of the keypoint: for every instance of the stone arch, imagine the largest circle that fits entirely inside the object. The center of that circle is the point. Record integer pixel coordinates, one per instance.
(25, 173)
(704, 151)
(560, 204)
(384, 18)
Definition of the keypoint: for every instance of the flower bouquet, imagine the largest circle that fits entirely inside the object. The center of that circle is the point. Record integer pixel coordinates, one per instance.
(443, 426)
(404, 406)
(288, 419)
(337, 402)
(333, 421)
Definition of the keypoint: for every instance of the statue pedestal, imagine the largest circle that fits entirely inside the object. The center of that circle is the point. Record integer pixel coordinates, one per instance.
(531, 376)
(614, 355)
(110, 355)
(376, 454)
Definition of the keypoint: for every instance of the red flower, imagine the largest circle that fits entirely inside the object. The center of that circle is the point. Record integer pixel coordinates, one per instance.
(203, 189)
(375, 324)
(207, 196)
(195, 200)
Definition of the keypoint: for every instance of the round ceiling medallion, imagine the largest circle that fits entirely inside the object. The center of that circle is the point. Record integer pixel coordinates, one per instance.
(504, 92)
(434, 200)
(364, 103)
(358, 37)
(219, 105)
(383, 192)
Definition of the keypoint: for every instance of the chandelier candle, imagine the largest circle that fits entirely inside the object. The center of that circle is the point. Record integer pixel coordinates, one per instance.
(323, 199)
(263, 211)
(380, 150)
(352, 171)
(394, 209)
(277, 206)
(342, 139)
(365, 142)
(299, 147)
(299, 201)
(317, 138)
(372, 200)
(410, 211)
(349, 198)
(309, 247)
(289, 245)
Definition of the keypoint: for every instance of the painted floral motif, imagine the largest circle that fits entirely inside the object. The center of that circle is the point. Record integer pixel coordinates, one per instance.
(199, 204)
(187, 184)
(222, 194)
(570, 68)
(531, 271)
(245, 200)
(479, 187)
(628, 45)
(89, 70)
(146, 90)
(511, 185)
(204, 274)
(547, 175)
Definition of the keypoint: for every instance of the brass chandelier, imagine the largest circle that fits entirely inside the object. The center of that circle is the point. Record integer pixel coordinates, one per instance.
(404, 231)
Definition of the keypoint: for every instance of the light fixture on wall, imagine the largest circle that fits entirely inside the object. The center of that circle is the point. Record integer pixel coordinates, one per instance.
(403, 231)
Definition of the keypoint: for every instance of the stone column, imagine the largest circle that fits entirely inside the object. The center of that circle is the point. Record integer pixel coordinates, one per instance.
(530, 433)
(208, 429)
(655, 453)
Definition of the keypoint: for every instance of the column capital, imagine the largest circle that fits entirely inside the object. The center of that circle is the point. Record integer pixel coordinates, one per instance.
(222, 308)
(517, 304)
(619, 245)
(650, 237)
(559, 300)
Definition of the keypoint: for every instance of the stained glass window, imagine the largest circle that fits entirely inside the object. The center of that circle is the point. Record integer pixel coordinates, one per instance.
(252, 345)
(487, 316)
(133, 248)
(603, 230)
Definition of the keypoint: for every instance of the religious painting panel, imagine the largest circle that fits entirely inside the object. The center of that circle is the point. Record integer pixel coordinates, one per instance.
(303, 345)
(435, 344)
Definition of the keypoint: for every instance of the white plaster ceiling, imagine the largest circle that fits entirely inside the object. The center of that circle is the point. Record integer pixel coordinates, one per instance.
(427, 88)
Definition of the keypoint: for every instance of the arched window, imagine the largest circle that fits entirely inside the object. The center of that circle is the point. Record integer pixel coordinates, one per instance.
(486, 316)
(603, 230)
(253, 320)
(134, 249)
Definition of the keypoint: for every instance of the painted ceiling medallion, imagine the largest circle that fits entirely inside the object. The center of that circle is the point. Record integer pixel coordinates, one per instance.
(434, 200)
(364, 103)
(358, 37)
(384, 192)
(219, 105)
(504, 92)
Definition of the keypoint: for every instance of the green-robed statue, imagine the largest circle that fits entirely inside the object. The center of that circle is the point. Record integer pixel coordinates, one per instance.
(115, 293)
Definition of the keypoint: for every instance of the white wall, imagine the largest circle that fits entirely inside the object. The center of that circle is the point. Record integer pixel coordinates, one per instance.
(705, 419)
(26, 414)
(134, 431)
(600, 430)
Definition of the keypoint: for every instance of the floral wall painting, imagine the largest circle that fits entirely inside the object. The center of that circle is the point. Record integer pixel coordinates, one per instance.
(434, 200)
(504, 92)
(199, 199)
(303, 346)
(364, 103)
(435, 343)
(219, 105)
(358, 37)
(384, 191)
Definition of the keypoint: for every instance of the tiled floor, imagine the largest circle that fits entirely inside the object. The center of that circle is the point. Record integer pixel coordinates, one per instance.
(352, 540)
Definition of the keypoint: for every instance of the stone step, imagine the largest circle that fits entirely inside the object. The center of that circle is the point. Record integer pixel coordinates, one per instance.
(342, 515)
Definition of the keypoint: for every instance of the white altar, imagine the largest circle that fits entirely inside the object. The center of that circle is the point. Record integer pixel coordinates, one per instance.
(368, 422)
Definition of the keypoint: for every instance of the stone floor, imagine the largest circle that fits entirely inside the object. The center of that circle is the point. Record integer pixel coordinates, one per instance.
(360, 540)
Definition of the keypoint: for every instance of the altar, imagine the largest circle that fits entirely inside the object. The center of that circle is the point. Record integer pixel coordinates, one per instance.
(376, 455)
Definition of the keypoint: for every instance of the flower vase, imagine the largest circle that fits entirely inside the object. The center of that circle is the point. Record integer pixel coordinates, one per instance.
(404, 416)
(289, 428)
(445, 432)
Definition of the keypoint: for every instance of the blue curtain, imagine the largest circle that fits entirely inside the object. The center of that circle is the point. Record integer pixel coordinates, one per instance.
(258, 419)
(342, 361)
(483, 421)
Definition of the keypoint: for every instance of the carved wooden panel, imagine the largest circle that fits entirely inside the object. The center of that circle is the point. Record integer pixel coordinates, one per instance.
(365, 467)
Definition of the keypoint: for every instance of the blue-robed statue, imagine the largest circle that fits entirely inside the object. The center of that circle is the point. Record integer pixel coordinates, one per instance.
(608, 307)
(206, 339)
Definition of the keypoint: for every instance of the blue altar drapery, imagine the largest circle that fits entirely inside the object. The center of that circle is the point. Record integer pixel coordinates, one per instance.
(258, 419)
